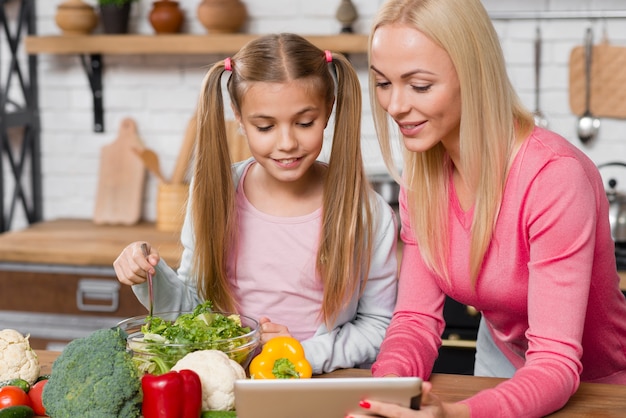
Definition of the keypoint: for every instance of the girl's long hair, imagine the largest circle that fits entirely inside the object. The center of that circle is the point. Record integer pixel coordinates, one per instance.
(345, 240)
(492, 116)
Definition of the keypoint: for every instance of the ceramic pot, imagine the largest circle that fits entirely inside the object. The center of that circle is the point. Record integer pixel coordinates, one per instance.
(346, 15)
(115, 18)
(166, 16)
(222, 16)
(75, 17)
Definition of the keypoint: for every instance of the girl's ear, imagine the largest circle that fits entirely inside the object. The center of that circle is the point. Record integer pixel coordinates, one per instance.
(235, 112)
(330, 111)
(237, 115)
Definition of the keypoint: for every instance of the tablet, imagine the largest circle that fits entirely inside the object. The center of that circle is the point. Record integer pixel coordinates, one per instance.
(321, 398)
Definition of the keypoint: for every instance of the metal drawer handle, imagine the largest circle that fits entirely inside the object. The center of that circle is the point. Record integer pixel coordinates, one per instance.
(100, 290)
(471, 311)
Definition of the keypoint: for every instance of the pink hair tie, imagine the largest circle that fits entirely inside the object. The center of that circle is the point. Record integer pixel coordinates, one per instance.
(228, 65)
(329, 56)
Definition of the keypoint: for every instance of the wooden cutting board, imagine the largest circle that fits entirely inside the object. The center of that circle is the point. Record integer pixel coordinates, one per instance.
(121, 180)
(608, 81)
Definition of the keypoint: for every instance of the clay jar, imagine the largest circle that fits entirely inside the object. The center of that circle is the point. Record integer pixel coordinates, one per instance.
(166, 16)
(222, 16)
(75, 17)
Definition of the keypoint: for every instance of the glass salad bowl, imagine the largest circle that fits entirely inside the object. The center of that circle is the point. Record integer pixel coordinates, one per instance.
(158, 342)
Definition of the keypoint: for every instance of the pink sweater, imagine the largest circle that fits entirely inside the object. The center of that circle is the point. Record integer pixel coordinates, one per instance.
(548, 289)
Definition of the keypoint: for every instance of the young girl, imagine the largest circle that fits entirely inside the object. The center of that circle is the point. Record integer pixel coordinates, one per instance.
(304, 246)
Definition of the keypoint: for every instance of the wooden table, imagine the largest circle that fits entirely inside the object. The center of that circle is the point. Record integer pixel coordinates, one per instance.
(591, 399)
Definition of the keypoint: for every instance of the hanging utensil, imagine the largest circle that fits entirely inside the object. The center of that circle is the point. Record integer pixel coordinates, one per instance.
(144, 248)
(540, 118)
(588, 125)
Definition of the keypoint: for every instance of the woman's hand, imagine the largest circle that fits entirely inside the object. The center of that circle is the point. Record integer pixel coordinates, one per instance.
(270, 330)
(131, 266)
(431, 406)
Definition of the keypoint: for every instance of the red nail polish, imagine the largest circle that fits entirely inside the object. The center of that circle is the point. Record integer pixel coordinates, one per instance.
(365, 404)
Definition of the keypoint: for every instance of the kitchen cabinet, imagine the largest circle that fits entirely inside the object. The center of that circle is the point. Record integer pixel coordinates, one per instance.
(57, 280)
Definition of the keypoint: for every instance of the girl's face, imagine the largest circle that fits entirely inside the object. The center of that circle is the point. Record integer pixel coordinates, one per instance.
(284, 124)
(417, 84)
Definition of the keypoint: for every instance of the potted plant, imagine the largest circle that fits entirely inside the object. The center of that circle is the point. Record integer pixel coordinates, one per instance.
(114, 15)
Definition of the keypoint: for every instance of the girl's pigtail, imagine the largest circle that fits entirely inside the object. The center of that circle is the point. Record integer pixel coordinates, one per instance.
(345, 249)
(213, 195)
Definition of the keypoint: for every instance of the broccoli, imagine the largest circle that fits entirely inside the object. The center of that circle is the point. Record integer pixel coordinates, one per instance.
(94, 377)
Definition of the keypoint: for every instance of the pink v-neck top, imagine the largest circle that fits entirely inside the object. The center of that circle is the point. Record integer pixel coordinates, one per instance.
(548, 288)
(289, 291)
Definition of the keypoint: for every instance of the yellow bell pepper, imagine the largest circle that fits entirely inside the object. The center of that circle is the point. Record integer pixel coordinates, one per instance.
(281, 358)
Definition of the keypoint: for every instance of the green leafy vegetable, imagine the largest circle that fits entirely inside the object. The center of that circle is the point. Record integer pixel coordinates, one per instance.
(219, 414)
(164, 342)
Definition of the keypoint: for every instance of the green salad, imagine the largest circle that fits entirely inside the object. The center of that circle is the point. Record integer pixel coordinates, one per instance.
(163, 342)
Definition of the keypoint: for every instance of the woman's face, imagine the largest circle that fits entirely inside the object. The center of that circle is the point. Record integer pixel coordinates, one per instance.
(284, 124)
(417, 84)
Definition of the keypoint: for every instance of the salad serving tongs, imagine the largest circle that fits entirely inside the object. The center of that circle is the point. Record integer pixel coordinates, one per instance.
(144, 248)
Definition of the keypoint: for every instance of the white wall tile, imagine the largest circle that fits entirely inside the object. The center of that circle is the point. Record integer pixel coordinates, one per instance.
(160, 92)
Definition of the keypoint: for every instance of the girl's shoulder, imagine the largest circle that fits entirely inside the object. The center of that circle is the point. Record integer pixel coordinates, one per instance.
(239, 168)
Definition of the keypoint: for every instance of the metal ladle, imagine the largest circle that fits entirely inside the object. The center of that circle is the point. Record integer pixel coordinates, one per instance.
(588, 125)
(540, 118)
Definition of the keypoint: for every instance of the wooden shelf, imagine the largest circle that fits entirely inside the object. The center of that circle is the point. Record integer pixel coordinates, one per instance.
(178, 44)
(90, 48)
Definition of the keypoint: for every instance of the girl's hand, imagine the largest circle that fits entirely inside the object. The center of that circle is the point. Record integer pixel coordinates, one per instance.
(131, 266)
(270, 330)
(431, 407)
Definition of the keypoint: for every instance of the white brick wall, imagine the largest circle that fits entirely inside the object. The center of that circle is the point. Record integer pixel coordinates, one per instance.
(160, 92)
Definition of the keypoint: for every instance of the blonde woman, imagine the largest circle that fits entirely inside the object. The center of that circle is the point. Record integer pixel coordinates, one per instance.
(496, 213)
(304, 246)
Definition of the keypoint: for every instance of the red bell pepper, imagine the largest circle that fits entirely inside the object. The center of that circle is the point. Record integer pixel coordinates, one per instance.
(172, 395)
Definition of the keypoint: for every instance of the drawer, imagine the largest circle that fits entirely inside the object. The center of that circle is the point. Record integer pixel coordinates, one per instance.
(66, 290)
(455, 360)
(55, 304)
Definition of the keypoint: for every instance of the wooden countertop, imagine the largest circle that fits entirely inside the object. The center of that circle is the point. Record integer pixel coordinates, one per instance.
(80, 242)
(591, 399)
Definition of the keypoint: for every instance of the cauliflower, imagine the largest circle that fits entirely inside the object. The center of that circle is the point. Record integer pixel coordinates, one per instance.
(217, 373)
(17, 359)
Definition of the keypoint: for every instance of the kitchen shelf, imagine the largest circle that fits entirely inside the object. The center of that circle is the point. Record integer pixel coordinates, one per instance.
(90, 48)
(176, 44)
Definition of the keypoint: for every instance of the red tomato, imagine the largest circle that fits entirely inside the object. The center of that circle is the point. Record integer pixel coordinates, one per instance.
(12, 396)
(35, 398)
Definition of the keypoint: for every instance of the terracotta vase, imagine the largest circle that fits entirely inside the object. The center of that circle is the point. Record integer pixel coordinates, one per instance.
(222, 16)
(115, 18)
(75, 17)
(166, 16)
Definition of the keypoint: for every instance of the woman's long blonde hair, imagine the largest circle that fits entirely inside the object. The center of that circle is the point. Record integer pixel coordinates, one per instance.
(345, 245)
(491, 118)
